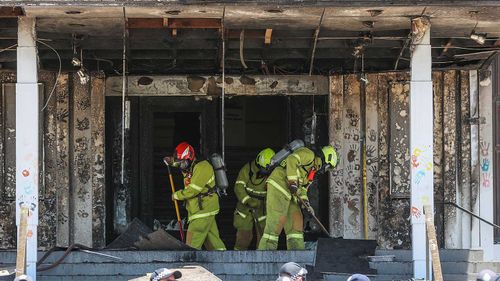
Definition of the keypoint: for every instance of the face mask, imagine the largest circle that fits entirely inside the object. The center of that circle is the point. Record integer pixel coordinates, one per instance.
(323, 169)
(263, 172)
(184, 164)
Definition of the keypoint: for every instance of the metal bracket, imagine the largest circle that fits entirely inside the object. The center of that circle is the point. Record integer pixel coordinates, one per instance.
(476, 120)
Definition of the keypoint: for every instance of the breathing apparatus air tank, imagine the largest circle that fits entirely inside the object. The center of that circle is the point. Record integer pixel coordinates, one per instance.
(285, 152)
(221, 182)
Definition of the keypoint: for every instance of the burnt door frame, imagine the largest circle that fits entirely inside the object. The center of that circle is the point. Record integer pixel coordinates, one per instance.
(148, 106)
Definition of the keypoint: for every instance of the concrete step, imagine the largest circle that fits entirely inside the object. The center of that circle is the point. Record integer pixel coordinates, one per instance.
(217, 268)
(306, 257)
(444, 254)
(406, 267)
(395, 267)
(228, 265)
(86, 278)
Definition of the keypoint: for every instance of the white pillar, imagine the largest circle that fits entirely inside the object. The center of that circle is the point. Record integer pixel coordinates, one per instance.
(421, 141)
(486, 145)
(27, 135)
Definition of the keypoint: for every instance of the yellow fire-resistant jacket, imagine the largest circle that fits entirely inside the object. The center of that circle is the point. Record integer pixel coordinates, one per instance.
(199, 184)
(249, 188)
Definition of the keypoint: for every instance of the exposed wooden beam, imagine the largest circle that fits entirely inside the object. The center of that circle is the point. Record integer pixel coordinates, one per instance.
(11, 12)
(193, 23)
(267, 36)
(146, 23)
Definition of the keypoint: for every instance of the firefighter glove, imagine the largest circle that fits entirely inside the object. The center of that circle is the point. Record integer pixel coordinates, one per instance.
(168, 160)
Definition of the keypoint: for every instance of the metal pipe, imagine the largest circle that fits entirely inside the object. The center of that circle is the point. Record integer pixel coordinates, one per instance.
(470, 213)
(363, 146)
(223, 143)
(124, 85)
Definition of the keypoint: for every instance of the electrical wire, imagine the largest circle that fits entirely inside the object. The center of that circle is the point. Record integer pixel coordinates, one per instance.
(242, 43)
(57, 77)
(8, 48)
(316, 35)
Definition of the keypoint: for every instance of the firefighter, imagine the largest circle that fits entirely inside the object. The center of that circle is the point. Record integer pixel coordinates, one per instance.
(286, 184)
(251, 194)
(202, 201)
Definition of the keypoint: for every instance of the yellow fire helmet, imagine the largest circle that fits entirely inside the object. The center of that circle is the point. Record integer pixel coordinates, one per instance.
(330, 156)
(264, 157)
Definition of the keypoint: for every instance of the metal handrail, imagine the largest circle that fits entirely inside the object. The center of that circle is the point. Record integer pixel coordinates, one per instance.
(469, 212)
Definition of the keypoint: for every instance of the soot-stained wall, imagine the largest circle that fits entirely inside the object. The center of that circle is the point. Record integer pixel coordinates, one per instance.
(71, 206)
(386, 134)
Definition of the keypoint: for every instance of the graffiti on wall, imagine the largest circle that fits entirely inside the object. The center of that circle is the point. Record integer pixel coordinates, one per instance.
(485, 164)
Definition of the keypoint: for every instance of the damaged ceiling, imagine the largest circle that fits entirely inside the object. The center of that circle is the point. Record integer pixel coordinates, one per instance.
(186, 39)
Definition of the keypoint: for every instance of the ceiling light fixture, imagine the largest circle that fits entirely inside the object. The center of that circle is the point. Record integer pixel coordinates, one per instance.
(76, 62)
(479, 38)
(83, 75)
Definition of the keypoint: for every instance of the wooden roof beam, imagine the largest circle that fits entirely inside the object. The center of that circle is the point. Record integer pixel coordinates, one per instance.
(174, 23)
(11, 12)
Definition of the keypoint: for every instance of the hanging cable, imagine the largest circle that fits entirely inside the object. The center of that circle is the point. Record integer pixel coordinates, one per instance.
(124, 86)
(242, 42)
(223, 144)
(58, 73)
(314, 117)
(10, 47)
(316, 35)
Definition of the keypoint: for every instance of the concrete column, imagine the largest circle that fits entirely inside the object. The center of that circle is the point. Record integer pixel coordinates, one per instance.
(421, 148)
(486, 144)
(27, 135)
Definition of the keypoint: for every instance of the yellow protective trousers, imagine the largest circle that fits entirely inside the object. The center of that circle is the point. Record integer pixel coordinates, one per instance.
(204, 231)
(282, 211)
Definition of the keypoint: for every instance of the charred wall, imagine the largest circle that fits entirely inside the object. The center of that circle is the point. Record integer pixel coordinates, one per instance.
(385, 108)
(71, 206)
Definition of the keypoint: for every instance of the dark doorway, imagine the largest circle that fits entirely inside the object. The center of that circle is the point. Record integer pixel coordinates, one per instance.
(158, 124)
(169, 129)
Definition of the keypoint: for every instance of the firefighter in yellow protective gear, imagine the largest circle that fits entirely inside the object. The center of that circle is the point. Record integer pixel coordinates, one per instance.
(250, 190)
(202, 201)
(285, 184)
